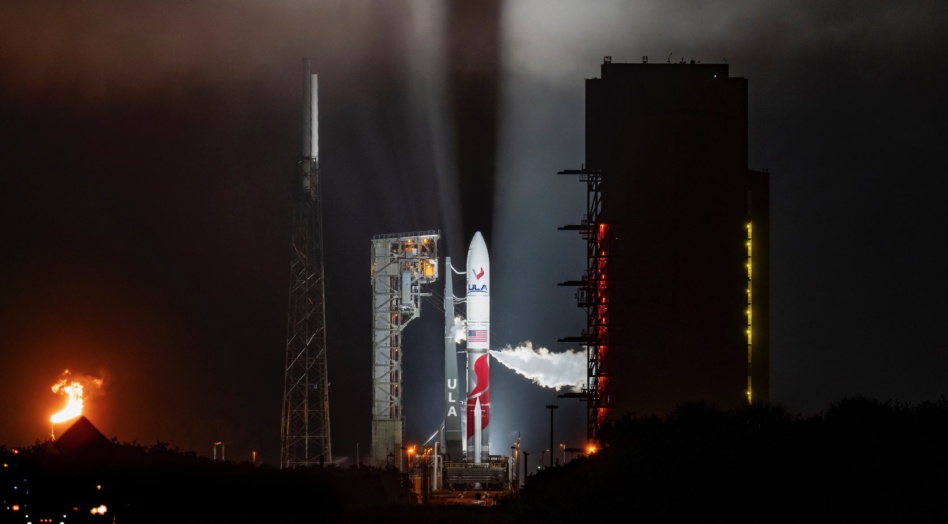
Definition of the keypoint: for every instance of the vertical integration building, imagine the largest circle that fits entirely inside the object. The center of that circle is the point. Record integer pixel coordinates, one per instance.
(676, 284)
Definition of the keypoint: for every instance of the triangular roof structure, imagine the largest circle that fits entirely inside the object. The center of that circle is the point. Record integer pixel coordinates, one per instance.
(83, 439)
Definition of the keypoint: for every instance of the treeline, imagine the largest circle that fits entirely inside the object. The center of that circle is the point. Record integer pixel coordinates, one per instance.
(159, 484)
(862, 460)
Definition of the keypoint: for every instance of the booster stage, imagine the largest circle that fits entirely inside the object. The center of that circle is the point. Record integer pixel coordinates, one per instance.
(461, 461)
(478, 342)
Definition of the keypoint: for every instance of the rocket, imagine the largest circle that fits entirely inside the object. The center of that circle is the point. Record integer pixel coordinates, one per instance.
(478, 342)
(453, 434)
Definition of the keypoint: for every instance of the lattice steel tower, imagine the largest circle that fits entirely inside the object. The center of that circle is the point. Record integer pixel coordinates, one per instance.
(593, 296)
(401, 263)
(305, 420)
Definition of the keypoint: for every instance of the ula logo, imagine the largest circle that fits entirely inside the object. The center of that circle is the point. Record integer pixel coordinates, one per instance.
(475, 288)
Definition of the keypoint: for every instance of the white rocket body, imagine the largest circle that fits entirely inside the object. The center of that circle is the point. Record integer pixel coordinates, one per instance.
(478, 342)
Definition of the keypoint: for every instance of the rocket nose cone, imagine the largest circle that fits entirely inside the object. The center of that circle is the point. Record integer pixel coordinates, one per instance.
(478, 240)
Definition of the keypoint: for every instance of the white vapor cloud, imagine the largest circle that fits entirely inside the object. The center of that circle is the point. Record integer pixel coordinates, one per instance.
(459, 330)
(547, 369)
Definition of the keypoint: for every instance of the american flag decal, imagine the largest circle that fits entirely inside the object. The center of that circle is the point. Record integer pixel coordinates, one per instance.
(477, 335)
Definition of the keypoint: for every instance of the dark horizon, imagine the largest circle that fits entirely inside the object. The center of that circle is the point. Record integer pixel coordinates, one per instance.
(649, 469)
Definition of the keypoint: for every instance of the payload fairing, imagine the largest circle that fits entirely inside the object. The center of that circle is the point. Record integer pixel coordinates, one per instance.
(478, 343)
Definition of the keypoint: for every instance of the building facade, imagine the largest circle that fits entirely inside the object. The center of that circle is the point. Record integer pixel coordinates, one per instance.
(684, 251)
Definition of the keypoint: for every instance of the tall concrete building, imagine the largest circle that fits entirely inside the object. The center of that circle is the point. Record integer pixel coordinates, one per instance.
(676, 288)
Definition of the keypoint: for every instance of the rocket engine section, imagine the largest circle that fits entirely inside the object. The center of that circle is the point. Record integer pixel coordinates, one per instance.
(478, 343)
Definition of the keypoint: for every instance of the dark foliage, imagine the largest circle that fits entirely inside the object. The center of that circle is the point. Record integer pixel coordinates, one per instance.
(862, 461)
(157, 484)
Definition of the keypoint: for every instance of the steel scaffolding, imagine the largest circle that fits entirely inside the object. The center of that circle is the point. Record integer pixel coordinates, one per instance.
(305, 417)
(401, 263)
(592, 295)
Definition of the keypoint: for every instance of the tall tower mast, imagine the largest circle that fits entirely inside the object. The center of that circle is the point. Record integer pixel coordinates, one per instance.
(305, 420)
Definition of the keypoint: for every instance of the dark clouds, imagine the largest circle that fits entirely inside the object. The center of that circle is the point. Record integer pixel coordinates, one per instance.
(846, 113)
(146, 151)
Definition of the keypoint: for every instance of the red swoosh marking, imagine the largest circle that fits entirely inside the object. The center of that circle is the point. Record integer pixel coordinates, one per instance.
(481, 389)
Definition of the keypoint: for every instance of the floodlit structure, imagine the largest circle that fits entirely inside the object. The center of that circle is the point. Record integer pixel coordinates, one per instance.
(453, 445)
(478, 343)
(462, 459)
(676, 287)
(401, 264)
(304, 425)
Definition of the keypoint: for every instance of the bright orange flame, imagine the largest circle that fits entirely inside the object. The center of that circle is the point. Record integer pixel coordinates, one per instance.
(73, 405)
(73, 390)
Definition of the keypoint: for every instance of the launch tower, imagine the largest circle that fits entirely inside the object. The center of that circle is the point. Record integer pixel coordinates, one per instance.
(593, 296)
(401, 263)
(304, 427)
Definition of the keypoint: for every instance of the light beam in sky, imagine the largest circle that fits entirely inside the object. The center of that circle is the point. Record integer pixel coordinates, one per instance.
(543, 367)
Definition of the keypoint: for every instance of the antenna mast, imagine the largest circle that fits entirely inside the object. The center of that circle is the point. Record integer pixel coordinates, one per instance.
(305, 419)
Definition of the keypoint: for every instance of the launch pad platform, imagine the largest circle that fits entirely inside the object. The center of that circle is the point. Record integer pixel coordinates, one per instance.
(492, 475)
(463, 483)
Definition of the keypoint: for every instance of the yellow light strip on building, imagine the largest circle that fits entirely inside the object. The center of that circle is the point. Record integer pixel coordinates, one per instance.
(750, 310)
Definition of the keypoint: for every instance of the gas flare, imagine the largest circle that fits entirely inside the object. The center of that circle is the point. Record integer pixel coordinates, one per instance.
(73, 389)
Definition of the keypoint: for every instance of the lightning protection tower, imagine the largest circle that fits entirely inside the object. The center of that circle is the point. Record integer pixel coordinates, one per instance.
(305, 419)
(401, 263)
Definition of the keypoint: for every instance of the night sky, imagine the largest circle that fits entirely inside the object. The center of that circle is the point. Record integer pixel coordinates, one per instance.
(147, 151)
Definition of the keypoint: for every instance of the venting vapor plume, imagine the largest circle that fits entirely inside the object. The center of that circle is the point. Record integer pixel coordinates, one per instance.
(547, 369)
(459, 330)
